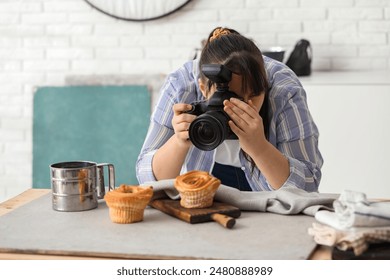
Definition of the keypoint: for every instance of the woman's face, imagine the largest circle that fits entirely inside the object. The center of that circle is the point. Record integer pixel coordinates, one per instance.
(235, 86)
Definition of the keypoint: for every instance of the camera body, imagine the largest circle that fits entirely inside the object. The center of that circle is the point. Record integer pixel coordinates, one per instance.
(211, 126)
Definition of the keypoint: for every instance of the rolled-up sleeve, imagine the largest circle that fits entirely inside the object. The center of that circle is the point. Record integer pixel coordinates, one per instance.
(304, 174)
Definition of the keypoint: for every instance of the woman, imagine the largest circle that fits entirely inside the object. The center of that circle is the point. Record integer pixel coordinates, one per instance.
(277, 142)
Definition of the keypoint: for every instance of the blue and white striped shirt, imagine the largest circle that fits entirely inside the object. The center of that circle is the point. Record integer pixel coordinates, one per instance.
(292, 130)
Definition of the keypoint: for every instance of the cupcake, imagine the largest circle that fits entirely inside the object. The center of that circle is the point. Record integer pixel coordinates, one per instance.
(196, 189)
(127, 203)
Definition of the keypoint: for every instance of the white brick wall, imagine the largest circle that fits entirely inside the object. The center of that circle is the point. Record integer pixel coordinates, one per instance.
(44, 41)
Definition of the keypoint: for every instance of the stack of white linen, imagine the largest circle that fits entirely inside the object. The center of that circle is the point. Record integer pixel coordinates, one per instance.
(355, 223)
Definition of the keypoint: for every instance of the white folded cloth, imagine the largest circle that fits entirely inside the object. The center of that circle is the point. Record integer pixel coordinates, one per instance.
(357, 239)
(287, 200)
(353, 209)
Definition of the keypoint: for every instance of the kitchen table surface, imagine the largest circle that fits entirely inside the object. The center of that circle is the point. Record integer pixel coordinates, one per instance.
(236, 243)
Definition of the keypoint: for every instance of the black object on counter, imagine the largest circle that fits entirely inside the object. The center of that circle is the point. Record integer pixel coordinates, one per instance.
(300, 58)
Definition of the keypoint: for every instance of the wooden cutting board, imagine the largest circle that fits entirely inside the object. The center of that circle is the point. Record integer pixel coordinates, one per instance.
(221, 213)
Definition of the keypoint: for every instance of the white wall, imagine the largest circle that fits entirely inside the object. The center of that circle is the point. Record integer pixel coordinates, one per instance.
(43, 42)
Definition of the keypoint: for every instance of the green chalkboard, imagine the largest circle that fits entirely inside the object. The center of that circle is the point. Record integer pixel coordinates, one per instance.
(91, 123)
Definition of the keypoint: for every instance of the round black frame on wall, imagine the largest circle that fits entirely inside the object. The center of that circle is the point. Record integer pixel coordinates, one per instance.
(138, 10)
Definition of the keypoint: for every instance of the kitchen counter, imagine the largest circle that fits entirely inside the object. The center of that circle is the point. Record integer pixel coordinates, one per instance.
(351, 111)
(347, 78)
(90, 234)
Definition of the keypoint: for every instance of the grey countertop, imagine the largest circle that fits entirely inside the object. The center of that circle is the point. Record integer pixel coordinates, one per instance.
(35, 227)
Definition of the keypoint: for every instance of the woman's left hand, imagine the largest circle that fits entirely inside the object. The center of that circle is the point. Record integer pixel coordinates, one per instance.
(246, 123)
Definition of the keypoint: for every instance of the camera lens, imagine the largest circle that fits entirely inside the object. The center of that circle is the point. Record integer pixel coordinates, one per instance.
(205, 131)
(209, 130)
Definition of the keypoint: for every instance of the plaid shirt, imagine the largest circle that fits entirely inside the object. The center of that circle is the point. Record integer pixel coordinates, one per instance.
(292, 130)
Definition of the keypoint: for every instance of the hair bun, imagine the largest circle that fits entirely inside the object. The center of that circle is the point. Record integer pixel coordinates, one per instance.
(219, 32)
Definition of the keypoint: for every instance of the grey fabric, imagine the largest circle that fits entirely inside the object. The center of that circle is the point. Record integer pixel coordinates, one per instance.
(286, 201)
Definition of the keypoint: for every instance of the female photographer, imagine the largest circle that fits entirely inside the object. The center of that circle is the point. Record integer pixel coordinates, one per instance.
(277, 139)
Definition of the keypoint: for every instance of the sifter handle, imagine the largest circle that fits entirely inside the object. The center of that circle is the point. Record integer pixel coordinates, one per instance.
(111, 179)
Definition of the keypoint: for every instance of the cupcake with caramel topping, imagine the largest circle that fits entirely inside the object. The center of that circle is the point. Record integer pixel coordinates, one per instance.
(127, 203)
(197, 189)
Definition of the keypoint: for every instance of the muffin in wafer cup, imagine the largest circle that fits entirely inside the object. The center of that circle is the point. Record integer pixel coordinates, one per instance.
(196, 189)
(127, 203)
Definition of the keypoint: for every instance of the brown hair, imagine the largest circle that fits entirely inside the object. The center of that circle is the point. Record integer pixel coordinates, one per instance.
(241, 56)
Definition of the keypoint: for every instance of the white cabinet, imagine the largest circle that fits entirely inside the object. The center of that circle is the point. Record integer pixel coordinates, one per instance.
(352, 112)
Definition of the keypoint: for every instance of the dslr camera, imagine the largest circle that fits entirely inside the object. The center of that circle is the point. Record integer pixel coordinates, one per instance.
(211, 126)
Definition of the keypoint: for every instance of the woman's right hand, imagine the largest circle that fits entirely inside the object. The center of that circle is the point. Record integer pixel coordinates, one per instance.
(181, 122)
(169, 158)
